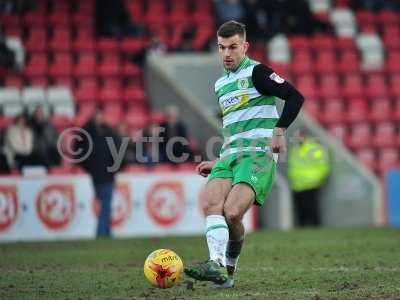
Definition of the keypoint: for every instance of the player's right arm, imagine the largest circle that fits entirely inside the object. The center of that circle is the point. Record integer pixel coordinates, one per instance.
(204, 168)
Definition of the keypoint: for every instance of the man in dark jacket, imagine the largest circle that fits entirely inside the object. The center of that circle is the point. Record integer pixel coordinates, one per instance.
(98, 164)
(175, 146)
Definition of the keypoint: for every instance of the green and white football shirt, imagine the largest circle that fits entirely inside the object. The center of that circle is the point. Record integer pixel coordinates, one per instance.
(248, 116)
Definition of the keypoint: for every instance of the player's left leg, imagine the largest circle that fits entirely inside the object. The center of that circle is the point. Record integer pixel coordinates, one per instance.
(239, 201)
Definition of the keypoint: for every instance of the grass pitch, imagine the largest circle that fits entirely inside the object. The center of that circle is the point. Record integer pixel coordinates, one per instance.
(302, 264)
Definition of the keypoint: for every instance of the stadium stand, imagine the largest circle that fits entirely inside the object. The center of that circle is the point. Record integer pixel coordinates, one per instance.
(350, 79)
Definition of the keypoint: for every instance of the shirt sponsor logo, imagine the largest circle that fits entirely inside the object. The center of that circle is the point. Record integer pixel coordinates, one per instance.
(275, 77)
(230, 102)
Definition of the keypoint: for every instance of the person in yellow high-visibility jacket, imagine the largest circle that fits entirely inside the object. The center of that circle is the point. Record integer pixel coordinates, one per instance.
(308, 169)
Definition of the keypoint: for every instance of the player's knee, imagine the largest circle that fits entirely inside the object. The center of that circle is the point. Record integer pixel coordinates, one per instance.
(213, 202)
(212, 208)
(232, 215)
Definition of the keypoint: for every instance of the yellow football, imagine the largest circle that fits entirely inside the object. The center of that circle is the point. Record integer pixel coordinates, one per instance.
(163, 268)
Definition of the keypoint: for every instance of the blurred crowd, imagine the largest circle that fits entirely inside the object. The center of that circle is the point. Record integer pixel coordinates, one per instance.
(264, 19)
(31, 140)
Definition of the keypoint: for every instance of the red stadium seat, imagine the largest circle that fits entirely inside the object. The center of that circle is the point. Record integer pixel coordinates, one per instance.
(345, 44)
(131, 70)
(58, 18)
(157, 117)
(135, 120)
(385, 135)
(388, 17)
(109, 66)
(62, 65)
(34, 19)
(87, 90)
(348, 61)
(37, 40)
(381, 110)
(323, 42)
(325, 62)
(367, 158)
(61, 122)
(353, 85)
(376, 86)
(396, 111)
(366, 17)
(113, 114)
(394, 86)
(358, 110)
(388, 159)
(13, 81)
(133, 94)
(61, 40)
(333, 111)
(299, 43)
(307, 86)
(86, 65)
(66, 81)
(302, 62)
(329, 86)
(132, 45)
(39, 81)
(107, 45)
(392, 63)
(37, 65)
(135, 10)
(360, 135)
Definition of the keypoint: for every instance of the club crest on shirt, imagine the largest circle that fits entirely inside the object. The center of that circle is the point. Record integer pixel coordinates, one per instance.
(275, 77)
(243, 83)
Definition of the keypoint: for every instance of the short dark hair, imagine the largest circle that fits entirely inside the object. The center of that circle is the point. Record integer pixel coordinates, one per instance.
(231, 28)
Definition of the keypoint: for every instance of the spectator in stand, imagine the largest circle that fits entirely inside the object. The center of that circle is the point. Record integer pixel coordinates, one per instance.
(175, 138)
(46, 136)
(186, 43)
(156, 47)
(298, 18)
(19, 143)
(98, 165)
(130, 153)
(375, 4)
(227, 10)
(256, 19)
(4, 163)
(7, 56)
(112, 19)
(149, 147)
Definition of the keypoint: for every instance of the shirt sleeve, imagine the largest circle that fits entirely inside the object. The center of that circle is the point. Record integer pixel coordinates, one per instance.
(268, 83)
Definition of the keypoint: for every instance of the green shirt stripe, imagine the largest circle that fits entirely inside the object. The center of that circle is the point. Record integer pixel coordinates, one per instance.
(243, 126)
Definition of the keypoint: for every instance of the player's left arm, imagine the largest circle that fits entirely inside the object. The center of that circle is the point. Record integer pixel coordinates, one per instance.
(268, 83)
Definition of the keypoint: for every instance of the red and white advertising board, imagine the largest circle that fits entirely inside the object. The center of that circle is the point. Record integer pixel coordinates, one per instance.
(65, 207)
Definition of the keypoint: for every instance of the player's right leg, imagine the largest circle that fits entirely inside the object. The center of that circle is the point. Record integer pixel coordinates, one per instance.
(217, 233)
